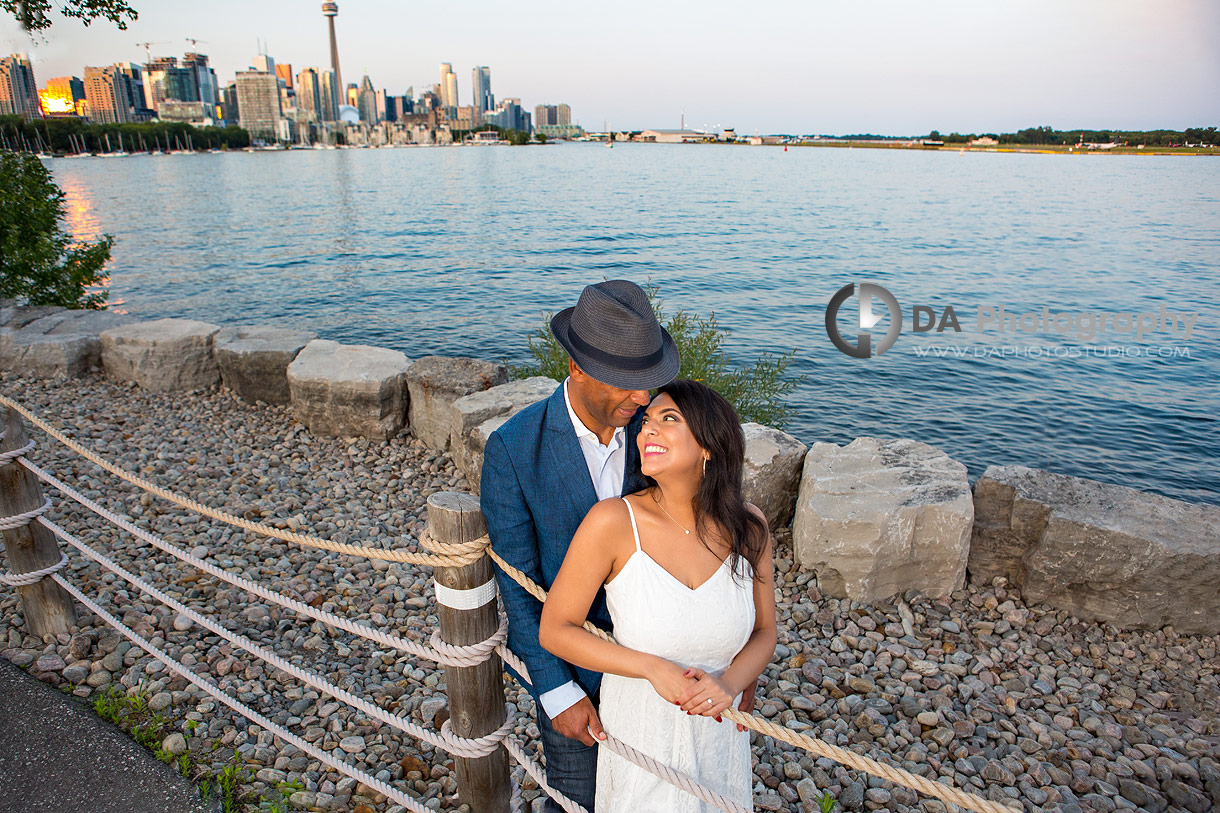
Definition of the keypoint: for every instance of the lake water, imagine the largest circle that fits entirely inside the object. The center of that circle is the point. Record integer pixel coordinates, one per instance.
(456, 251)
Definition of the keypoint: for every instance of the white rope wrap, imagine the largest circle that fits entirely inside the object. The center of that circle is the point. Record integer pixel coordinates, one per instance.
(33, 576)
(533, 769)
(471, 599)
(446, 654)
(440, 554)
(242, 709)
(25, 518)
(14, 454)
(471, 748)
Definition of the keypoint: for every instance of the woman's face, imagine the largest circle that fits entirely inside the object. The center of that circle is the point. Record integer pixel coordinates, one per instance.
(666, 442)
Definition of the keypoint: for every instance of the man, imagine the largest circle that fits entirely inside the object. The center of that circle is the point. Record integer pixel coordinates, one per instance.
(542, 472)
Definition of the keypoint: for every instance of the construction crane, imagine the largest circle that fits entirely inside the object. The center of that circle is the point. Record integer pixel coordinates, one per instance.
(147, 46)
(194, 42)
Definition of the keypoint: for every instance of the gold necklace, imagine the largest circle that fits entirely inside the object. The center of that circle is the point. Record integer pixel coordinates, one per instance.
(657, 500)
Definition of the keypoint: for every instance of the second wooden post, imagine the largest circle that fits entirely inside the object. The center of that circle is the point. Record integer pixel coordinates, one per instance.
(466, 608)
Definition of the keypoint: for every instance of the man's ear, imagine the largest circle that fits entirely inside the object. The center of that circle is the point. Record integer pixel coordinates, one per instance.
(574, 371)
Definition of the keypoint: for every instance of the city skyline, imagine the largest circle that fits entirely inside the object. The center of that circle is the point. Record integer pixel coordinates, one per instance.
(899, 69)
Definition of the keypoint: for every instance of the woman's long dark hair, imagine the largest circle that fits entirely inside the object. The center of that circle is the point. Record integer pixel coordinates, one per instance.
(718, 501)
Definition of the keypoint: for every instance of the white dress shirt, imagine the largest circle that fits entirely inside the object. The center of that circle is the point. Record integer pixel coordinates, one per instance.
(607, 466)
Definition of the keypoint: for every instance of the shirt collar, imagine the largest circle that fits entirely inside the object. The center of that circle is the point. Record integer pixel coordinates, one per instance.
(584, 432)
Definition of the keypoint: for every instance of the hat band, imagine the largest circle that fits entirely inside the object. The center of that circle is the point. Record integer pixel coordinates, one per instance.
(620, 362)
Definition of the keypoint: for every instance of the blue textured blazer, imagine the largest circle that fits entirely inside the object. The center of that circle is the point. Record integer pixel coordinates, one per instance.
(535, 492)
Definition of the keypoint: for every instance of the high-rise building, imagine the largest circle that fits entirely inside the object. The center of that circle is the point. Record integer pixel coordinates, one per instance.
(366, 102)
(264, 63)
(258, 103)
(206, 86)
(552, 115)
(163, 80)
(385, 110)
(483, 98)
(449, 87)
(309, 92)
(63, 96)
(509, 115)
(108, 94)
(18, 90)
(330, 11)
(328, 104)
(283, 72)
(232, 110)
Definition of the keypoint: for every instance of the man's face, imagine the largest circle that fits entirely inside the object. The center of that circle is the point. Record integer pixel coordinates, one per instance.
(609, 406)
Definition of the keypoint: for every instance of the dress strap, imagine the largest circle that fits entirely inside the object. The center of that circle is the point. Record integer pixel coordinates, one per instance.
(634, 528)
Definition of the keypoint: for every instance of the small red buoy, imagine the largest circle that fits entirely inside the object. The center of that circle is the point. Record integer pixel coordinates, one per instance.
(785, 148)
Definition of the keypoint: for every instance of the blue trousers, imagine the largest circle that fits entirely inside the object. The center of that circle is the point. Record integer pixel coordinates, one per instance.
(571, 766)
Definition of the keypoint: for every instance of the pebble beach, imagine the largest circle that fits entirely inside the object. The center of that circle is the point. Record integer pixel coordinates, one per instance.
(1023, 704)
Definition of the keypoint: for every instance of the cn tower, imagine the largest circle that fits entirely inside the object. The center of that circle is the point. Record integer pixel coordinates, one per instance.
(330, 11)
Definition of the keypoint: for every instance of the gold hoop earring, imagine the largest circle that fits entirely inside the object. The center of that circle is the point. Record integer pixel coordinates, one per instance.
(705, 465)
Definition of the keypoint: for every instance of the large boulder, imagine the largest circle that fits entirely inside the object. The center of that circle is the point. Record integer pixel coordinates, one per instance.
(61, 343)
(349, 389)
(877, 518)
(772, 471)
(469, 456)
(165, 355)
(470, 412)
(435, 382)
(15, 317)
(1099, 551)
(254, 359)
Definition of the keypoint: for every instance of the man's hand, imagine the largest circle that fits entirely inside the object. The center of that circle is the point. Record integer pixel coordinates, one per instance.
(747, 702)
(575, 722)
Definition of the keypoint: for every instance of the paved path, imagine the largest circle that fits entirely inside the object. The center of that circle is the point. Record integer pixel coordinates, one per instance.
(57, 756)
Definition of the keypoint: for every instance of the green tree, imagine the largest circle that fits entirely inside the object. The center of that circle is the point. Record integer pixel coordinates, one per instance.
(540, 138)
(39, 261)
(756, 390)
(34, 14)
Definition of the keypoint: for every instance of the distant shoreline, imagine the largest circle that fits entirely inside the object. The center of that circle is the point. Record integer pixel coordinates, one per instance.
(1041, 149)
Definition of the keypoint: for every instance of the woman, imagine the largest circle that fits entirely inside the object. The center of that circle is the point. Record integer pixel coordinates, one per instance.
(686, 565)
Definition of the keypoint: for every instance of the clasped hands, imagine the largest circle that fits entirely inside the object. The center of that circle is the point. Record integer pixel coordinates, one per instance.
(698, 692)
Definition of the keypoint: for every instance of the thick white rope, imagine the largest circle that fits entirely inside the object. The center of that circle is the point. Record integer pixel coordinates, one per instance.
(441, 652)
(14, 454)
(469, 747)
(33, 576)
(533, 769)
(242, 709)
(23, 519)
(444, 554)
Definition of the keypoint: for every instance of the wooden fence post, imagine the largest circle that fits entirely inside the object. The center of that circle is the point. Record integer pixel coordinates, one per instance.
(476, 693)
(47, 607)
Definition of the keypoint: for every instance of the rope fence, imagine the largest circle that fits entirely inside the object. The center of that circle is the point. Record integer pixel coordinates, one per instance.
(438, 553)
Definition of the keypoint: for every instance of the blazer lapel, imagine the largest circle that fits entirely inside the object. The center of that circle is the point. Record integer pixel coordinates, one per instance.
(568, 460)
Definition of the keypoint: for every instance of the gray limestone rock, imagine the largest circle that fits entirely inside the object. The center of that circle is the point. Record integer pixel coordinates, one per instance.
(469, 456)
(772, 471)
(254, 359)
(435, 382)
(876, 518)
(15, 317)
(349, 389)
(165, 355)
(470, 412)
(61, 343)
(1099, 551)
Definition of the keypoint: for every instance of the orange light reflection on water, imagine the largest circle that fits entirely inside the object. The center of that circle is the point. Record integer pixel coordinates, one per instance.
(84, 226)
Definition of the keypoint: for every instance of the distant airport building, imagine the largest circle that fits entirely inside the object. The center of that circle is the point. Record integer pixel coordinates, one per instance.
(674, 136)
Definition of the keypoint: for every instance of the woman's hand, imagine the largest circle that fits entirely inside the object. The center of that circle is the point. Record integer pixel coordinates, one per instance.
(706, 695)
(669, 679)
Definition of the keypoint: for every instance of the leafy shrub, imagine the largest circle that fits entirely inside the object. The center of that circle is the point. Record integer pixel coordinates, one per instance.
(756, 390)
(39, 262)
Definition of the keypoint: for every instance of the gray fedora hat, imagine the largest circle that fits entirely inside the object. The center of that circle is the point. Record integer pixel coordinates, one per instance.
(613, 335)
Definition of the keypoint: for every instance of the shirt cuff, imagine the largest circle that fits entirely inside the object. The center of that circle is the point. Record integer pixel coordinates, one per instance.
(561, 698)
